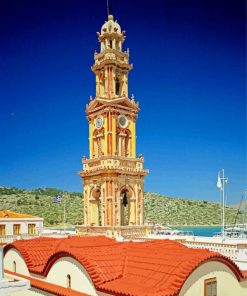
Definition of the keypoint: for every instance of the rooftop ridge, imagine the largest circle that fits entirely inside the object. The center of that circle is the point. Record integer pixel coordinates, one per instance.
(126, 268)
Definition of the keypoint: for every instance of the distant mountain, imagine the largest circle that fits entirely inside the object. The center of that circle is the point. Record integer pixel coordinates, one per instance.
(179, 211)
(158, 208)
(39, 202)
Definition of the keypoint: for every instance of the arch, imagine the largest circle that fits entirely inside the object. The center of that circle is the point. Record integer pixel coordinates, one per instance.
(69, 281)
(95, 205)
(127, 144)
(98, 142)
(127, 207)
(117, 87)
(117, 45)
(13, 254)
(214, 258)
(61, 261)
(123, 142)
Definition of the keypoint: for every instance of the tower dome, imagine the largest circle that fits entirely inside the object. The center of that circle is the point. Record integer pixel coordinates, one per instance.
(111, 36)
(111, 26)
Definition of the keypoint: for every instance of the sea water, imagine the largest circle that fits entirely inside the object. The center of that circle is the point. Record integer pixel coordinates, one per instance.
(197, 230)
(201, 230)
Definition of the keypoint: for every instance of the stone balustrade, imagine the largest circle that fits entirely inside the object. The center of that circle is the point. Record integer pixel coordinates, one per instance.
(113, 163)
(111, 54)
(130, 232)
(231, 251)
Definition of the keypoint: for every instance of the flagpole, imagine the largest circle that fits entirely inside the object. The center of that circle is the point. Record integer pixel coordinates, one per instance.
(64, 212)
(223, 204)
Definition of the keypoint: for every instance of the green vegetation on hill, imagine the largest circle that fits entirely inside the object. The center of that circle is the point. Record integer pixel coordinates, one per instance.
(160, 209)
(178, 211)
(39, 202)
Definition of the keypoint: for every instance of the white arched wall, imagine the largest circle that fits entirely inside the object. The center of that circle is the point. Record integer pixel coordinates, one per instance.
(227, 283)
(14, 255)
(80, 280)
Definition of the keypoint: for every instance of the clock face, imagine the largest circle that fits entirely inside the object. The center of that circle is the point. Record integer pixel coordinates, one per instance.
(122, 120)
(99, 122)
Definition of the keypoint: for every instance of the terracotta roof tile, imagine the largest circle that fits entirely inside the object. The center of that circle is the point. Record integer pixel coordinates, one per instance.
(145, 268)
(244, 272)
(9, 214)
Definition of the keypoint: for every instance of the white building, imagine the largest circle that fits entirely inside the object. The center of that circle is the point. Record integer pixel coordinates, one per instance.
(15, 225)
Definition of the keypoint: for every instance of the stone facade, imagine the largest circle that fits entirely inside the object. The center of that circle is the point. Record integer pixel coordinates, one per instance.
(113, 175)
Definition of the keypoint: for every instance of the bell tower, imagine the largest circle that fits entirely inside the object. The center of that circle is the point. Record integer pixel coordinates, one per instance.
(113, 175)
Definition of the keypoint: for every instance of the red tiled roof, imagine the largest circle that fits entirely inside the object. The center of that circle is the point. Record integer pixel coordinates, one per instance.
(145, 268)
(244, 272)
(48, 287)
(9, 214)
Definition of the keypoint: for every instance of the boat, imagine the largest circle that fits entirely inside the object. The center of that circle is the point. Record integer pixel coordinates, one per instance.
(230, 242)
(238, 231)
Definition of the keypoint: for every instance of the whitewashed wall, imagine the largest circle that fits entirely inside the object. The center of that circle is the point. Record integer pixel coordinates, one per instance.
(14, 255)
(227, 283)
(80, 280)
(9, 223)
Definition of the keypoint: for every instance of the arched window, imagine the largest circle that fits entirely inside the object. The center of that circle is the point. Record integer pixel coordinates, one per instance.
(127, 144)
(68, 281)
(117, 87)
(110, 43)
(98, 143)
(14, 266)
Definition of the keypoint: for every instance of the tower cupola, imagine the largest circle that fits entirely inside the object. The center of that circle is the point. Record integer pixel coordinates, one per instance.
(111, 36)
(111, 65)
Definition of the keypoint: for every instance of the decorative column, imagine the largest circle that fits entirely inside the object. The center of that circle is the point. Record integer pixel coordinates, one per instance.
(97, 85)
(106, 81)
(116, 206)
(103, 206)
(91, 152)
(124, 84)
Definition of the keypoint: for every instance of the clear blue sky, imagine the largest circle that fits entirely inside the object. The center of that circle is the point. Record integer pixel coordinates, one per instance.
(189, 77)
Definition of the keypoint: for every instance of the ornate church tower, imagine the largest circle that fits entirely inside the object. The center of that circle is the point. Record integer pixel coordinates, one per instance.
(113, 176)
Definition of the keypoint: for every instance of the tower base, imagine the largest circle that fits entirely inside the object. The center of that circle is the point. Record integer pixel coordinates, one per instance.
(130, 232)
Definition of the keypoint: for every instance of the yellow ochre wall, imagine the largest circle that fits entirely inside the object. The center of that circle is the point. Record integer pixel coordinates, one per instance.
(92, 128)
(133, 133)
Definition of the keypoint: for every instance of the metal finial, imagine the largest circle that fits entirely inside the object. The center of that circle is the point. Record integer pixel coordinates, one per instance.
(107, 7)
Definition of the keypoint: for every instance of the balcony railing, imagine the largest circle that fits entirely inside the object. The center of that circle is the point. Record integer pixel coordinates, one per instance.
(114, 163)
(130, 232)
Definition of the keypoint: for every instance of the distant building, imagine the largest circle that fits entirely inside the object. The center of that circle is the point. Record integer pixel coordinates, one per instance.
(101, 266)
(15, 224)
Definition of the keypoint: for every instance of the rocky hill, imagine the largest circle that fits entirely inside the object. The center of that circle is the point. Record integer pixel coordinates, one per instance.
(158, 208)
